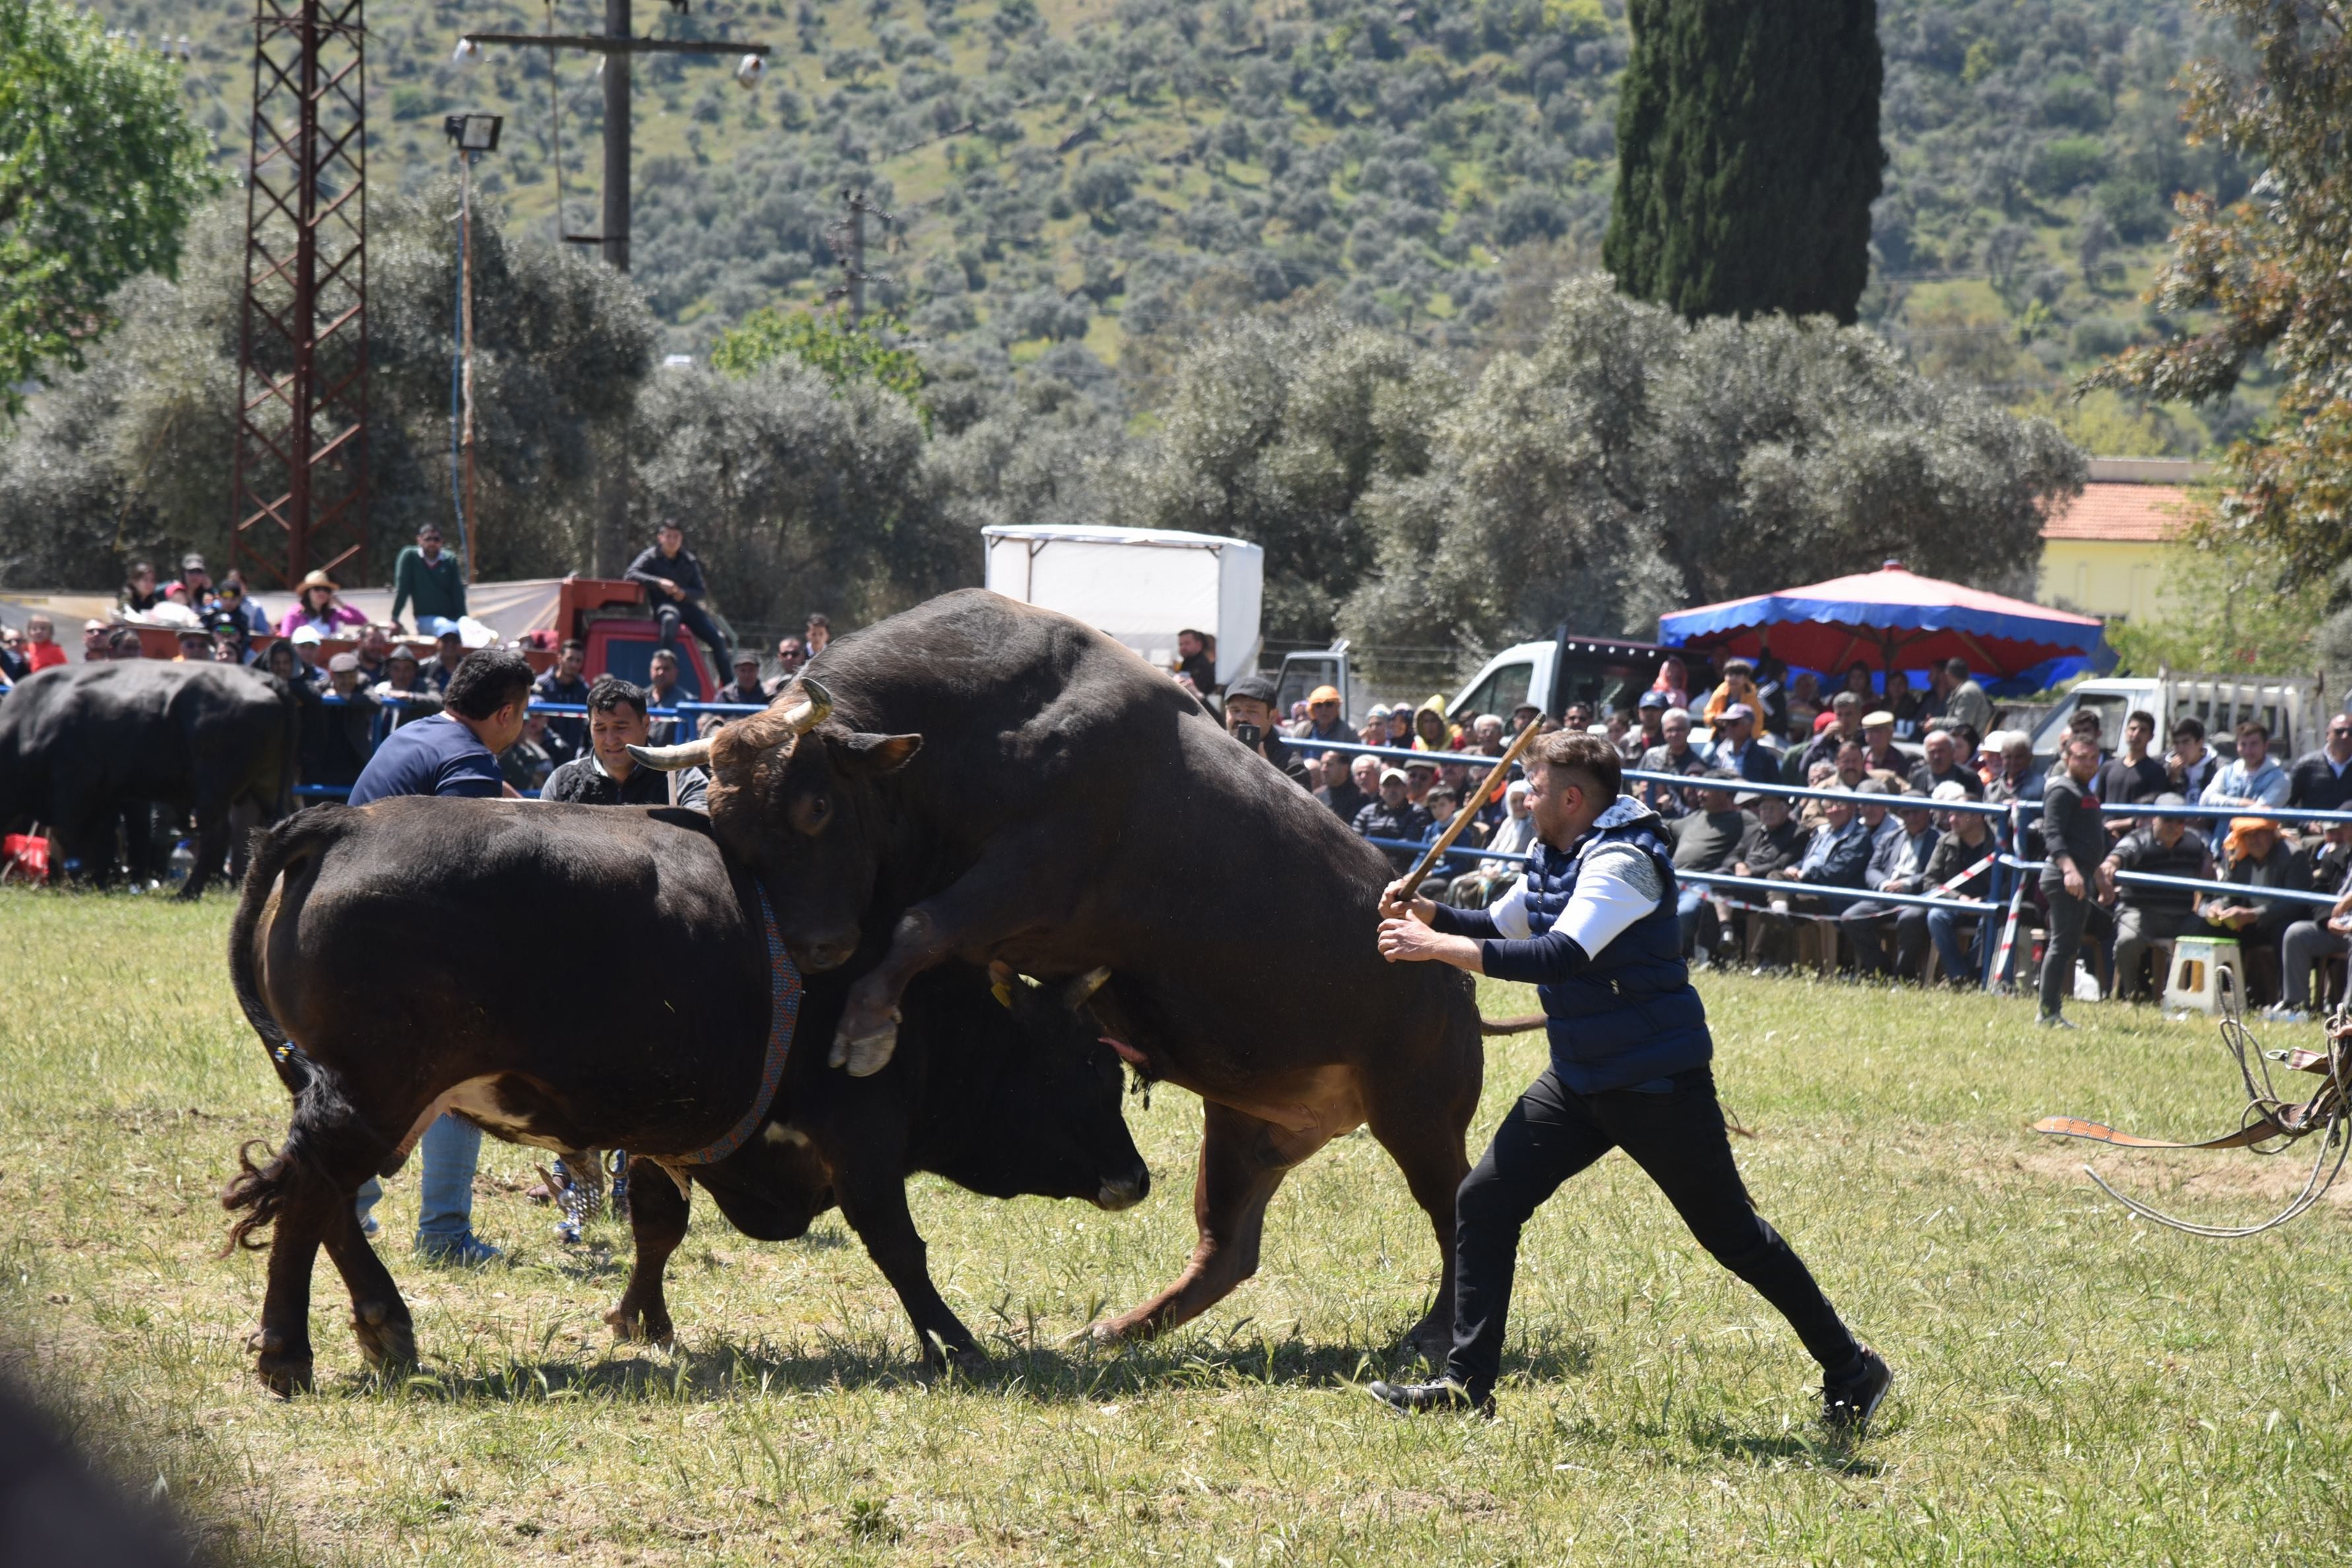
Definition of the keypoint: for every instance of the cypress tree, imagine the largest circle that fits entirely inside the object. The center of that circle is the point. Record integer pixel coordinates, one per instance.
(1748, 156)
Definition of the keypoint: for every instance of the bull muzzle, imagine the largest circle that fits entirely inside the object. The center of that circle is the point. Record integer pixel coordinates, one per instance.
(1124, 1192)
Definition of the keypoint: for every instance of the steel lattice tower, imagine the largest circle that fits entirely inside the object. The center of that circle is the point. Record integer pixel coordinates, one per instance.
(299, 499)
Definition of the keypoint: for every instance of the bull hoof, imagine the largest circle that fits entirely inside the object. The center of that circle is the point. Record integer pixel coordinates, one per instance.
(952, 1355)
(284, 1372)
(1106, 1332)
(865, 1054)
(387, 1339)
(631, 1327)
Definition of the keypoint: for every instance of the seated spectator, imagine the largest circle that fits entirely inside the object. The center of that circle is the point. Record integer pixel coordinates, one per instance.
(661, 690)
(1965, 742)
(1960, 867)
(2309, 942)
(430, 581)
(1400, 735)
(1672, 754)
(1476, 889)
(1844, 726)
(1804, 703)
(2131, 777)
(2190, 765)
(2250, 778)
(1771, 842)
(14, 665)
(1527, 713)
(404, 682)
(1339, 790)
(1430, 730)
(317, 609)
(1836, 856)
(528, 763)
(338, 738)
(791, 653)
(2148, 918)
(41, 648)
(375, 647)
(1365, 773)
(2320, 781)
(1903, 703)
(1852, 766)
(1443, 804)
(1912, 834)
(95, 635)
(1736, 750)
(1324, 723)
(278, 660)
(1673, 681)
(608, 775)
(1705, 839)
(229, 646)
(2258, 858)
(1649, 714)
(1966, 702)
(1880, 753)
(138, 597)
(2020, 777)
(233, 602)
(448, 653)
(1393, 817)
(672, 578)
(745, 687)
(1942, 767)
(1419, 778)
(193, 587)
(563, 682)
(1737, 688)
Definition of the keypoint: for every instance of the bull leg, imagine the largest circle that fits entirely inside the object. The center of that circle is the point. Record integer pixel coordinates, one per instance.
(1242, 1161)
(282, 1344)
(1426, 1141)
(1009, 890)
(658, 1216)
(872, 1197)
(380, 1319)
(212, 844)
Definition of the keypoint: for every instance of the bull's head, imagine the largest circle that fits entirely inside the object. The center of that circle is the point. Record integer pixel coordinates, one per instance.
(791, 796)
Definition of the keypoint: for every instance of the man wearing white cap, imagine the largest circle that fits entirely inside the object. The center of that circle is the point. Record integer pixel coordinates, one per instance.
(1879, 754)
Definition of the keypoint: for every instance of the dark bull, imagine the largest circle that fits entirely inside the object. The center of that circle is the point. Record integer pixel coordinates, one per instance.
(599, 979)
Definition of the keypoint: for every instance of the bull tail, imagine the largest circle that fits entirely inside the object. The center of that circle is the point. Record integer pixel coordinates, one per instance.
(259, 1195)
(1521, 1025)
(274, 852)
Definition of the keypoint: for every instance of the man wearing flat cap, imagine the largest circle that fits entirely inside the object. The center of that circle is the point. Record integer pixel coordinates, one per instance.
(1250, 719)
(1737, 750)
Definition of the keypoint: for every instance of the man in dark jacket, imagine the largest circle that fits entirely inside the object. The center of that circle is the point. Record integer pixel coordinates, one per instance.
(1250, 719)
(2323, 781)
(2075, 844)
(1959, 867)
(672, 579)
(745, 687)
(1593, 925)
(2316, 937)
(1904, 871)
(608, 775)
(1394, 816)
(2259, 857)
(338, 737)
(564, 683)
(1339, 789)
(2145, 916)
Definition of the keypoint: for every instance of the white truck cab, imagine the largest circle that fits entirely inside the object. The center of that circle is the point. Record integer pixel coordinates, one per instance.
(2294, 712)
(1602, 671)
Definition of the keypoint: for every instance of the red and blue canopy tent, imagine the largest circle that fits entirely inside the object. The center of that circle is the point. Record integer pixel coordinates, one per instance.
(1891, 619)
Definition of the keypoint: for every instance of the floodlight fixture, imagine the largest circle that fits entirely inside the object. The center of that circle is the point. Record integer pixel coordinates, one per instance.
(474, 132)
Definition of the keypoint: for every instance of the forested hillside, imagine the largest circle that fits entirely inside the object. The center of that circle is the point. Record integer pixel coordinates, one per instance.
(1079, 184)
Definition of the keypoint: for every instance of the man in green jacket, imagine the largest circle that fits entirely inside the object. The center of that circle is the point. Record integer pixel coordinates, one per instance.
(432, 581)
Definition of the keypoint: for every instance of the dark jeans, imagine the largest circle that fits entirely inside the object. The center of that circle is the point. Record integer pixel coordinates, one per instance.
(1679, 1140)
(670, 612)
(2059, 951)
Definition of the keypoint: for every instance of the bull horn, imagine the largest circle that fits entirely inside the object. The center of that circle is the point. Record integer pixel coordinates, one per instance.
(815, 705)
(670, 759)
(1077, 993)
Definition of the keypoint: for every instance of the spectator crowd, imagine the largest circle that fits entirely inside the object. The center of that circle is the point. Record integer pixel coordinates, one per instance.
(1898, 773)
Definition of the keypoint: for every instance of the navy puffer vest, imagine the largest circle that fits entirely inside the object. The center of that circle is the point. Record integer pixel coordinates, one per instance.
(1631, 1015)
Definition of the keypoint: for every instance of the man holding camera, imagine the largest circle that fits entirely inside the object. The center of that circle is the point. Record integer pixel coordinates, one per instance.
(1250, 719)
(1593, 924)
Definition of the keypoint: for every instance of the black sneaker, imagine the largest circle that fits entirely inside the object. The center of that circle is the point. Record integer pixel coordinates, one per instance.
(1445, 1396)
(1848, 1402)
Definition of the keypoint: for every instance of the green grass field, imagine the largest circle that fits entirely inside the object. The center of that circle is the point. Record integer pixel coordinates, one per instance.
(2074, 1386)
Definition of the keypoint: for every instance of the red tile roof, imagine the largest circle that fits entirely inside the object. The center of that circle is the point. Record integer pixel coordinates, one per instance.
(2121, 513)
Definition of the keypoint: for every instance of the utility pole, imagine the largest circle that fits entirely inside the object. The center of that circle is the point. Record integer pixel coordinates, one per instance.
(473, 134)
(615, 44)
(849, 241)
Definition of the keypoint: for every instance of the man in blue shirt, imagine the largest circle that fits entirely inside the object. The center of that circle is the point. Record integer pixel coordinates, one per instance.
(454, 751)
(1593, 925)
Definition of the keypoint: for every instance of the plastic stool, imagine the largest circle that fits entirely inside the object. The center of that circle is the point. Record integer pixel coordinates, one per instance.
(2197, 979)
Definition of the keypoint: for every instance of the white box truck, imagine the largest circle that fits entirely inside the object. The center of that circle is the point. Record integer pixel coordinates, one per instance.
(1142, 585)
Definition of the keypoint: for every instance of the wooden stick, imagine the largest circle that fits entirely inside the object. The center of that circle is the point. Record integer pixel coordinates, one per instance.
(1436, 851)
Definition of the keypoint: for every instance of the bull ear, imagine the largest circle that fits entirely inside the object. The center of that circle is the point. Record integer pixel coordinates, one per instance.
(865, 753)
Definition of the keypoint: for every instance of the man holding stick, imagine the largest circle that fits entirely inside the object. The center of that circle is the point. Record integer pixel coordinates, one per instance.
(1593, 924)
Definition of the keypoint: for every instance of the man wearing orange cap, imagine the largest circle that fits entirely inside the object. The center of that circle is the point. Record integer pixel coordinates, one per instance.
(1324, 722)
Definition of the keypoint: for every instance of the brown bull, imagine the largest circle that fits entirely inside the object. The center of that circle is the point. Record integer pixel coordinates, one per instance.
(983, 780)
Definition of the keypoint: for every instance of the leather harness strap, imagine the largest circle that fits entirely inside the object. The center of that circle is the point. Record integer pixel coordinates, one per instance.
(784, 1012)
